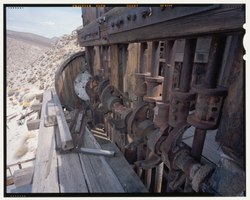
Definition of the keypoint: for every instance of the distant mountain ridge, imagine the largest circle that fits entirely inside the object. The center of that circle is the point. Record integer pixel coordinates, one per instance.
(32, 38)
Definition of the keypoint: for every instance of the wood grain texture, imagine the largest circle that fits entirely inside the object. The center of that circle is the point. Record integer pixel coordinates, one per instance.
(114, 64)
(71, 175)
(65, 135)
(41, 182)
(99, 176)
(126, 175)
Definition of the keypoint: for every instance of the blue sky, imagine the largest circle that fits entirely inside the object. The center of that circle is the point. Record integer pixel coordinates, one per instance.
(45, 21)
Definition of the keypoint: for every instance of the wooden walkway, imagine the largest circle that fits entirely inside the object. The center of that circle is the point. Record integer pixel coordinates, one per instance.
(77, 172)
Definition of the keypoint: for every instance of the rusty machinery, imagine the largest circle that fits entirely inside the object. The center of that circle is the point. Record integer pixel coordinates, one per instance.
(171, 96)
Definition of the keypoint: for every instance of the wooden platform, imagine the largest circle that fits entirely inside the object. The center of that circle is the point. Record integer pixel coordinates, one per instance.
(76, 172)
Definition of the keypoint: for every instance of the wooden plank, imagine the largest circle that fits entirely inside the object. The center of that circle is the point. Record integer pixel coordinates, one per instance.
(218, 20)
(36, 107)
(90, 58)
(126, 175)
(97, 60)
(33, 124)
(50, 115)
(99, 176)
(114, 65)
(41, 182)
(122, 65)
(78, 122)
(9, 180)
(131, 69)
(65, 135)
(23, 176)
(64, 90)
(71, 175)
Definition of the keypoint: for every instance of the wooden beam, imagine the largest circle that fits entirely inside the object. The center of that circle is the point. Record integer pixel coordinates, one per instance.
(71, 175)
(114, 65)
(33, 124)
(23, 176)
(171, 23)
(99, 176)
(126, 175)
(65, 135)
(41, 182)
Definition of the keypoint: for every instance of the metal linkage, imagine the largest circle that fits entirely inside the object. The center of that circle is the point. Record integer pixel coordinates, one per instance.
(209, 98)
(154, 82)
(181, 98)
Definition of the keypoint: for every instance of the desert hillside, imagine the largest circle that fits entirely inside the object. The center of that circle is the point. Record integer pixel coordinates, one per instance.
(31, 66)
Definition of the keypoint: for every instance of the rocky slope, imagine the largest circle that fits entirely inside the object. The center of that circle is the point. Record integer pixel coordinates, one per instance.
(30, 70)
(26, 67)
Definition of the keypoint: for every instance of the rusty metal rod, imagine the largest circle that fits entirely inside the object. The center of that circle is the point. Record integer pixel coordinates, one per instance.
(212, 74)
(188, 59)
(214, 61)
(170, 50)
(198, 143)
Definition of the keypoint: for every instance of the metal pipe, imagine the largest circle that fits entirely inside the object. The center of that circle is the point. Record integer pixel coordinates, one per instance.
(214, 61)
(188, 59)
(212, 74)
(198, 143)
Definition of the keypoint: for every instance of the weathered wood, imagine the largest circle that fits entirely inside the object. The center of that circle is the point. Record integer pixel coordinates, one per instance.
(170, 24)
(114, 65)
(122, 65)
(131, 69)
(41, 183)
(9, 180)
(64, 79)
(97, 60)
(90, 58)
(39, 97)
(71, 176)
(23, 176)
(58, 139)
(78, 122)
(50, 116)
(126, 175)
(65, 135)
(99, 176)
(33, 124)
(36, 107)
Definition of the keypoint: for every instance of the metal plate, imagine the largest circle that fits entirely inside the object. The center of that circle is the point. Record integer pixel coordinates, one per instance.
(80, 84)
